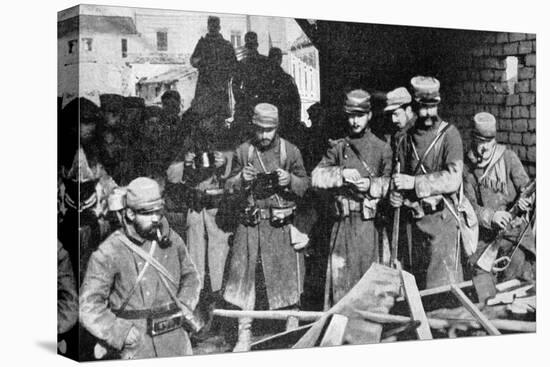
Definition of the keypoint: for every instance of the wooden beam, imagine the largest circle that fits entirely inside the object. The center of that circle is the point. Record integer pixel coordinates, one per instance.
(334, 334)
(415, 305)
(476, 313)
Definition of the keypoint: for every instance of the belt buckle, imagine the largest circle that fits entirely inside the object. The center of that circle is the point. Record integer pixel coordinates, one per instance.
(161, 325)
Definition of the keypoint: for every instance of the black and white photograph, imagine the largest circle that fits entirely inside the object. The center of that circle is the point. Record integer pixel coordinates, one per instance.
(233, 183)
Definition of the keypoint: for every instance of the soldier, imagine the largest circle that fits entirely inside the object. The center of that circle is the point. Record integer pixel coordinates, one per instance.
(67, 303)
(493, 179)
(202, 167)
(250, 86)
(264, 270)
(140, 286)
(352, 168)
(215, 59)
(428, 184)
(285, 96)
(398, 105)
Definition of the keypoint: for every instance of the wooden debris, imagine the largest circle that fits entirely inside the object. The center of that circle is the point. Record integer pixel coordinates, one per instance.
(476, 313)
(334, 335)
(415, 305)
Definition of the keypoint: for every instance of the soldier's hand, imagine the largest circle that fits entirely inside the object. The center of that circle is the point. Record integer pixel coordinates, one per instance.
(219, 159)
(501, 219)
(133, 337)
(189, 157)
(396, 199)
(351, 174)
(524, 204)
(249, 173)
(284, 177)
(362, 185)
(403, 182)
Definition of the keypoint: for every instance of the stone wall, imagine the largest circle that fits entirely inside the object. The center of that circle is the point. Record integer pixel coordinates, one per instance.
(477, 81)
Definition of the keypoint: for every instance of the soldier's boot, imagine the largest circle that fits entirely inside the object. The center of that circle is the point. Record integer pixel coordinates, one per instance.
(245, 335)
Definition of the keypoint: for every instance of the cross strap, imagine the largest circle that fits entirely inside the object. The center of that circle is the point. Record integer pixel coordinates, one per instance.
(360, 157)
(442, 129)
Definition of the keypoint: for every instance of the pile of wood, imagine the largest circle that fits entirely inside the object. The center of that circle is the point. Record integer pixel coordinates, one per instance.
(363, 315)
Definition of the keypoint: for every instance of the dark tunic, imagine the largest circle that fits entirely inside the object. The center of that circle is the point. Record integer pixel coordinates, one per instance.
(486, 201)
(251, 85)
(435, 234)
(354, 240)
(264, 241)
(111, 274)
(216, 66)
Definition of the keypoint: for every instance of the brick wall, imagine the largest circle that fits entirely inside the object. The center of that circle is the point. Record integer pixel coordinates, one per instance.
(476, 81)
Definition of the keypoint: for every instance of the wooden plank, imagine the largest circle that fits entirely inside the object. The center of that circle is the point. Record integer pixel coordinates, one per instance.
(281, 340)
(476, 313)
(415, 305)
(334, 335)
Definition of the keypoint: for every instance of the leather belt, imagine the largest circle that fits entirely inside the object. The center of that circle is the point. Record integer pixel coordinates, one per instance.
(162, 311)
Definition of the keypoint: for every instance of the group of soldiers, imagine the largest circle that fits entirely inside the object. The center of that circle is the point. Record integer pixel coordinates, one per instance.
(227, 214)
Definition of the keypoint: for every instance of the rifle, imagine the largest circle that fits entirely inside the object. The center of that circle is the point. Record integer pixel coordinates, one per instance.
(394, 262)
(487, 259)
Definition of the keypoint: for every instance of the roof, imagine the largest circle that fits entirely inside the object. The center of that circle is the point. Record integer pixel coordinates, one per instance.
(301, 42)
(96, 24)
(170, 76)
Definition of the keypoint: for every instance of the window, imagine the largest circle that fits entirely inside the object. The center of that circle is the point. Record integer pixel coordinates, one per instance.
(87, 43)
(162, 41)
(73, 46)
(511, 74)
(236, 39)
(124, 47)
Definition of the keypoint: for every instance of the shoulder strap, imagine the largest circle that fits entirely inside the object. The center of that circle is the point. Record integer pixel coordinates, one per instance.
(250, 154)
(148, 258)
(282, 153)
(358, 154)
(442, 129)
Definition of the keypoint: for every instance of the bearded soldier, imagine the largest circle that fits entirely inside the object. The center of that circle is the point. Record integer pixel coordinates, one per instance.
(428, 187)
(140, 286)
(493, 180)
(264, 271)
(352, 169)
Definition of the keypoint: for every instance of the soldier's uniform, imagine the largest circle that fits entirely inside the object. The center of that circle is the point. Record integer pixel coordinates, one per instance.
(216, 64)
(434, 228)
(208, 228)
(354, 243)
(263, 261)
(250, 87)
(122, 289)
(495, 186)
(67, 303)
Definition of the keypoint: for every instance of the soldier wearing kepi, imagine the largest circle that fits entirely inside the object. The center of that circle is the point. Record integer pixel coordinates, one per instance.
(398, 106)
(264, 270)
(353, 169)
(494, 178)
(428, 186)
(140, 286)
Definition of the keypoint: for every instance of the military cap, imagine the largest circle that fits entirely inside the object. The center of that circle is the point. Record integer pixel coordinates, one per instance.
(266, 115)
(111, 102)
(251, 39)
(485, 126)
(357, 101)
(171, 94)
(144, 194)
(426, 90)
(397, 98)
(134, 102)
